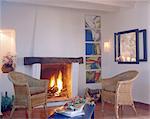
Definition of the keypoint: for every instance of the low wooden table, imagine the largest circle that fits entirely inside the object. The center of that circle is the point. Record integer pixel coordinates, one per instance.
(88, 109)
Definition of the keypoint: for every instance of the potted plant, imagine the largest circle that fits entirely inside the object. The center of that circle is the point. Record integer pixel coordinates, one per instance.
(8, 63)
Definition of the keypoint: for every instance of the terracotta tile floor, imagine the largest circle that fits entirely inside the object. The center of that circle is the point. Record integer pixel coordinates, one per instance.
(127, 113)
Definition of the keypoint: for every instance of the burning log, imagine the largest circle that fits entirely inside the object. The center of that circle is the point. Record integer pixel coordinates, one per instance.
(64, 92)
(52, 90)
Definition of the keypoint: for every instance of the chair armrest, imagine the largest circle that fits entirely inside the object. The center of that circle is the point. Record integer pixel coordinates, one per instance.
(107, 82)
(124, 82)
(124, 86)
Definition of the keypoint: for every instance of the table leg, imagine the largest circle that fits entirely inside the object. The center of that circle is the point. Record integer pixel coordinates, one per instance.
(92, 117)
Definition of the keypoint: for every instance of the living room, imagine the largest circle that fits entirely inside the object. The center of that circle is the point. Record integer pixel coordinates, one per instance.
(58, 30)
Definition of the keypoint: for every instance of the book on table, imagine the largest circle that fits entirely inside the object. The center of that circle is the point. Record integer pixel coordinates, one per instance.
(71, 113)
(77, 111)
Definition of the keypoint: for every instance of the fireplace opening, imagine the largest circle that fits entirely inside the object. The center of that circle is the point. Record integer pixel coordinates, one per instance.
(60, 81)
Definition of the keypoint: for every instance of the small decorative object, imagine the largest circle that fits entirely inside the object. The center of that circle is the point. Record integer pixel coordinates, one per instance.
(72, 108)
(92, 95)
(8, 63)
(6, 103)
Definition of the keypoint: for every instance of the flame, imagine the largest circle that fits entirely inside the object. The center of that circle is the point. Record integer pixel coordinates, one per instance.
(59, 82)
(52, 81)
(56, 83)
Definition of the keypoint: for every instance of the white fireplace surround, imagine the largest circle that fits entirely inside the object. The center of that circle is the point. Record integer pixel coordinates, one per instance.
(36, 71)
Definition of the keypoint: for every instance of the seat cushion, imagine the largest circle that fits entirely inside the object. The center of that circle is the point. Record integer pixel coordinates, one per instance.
(36, 90)
(111, 88)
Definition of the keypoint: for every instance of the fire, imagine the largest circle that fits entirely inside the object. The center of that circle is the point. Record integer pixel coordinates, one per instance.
(56, 84)
(52, 82)
(59, 82)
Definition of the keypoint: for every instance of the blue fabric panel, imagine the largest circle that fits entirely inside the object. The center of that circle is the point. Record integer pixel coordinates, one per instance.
(88, 35)
(89, 49)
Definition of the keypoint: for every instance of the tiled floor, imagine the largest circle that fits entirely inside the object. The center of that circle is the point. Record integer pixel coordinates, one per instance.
(126, 113)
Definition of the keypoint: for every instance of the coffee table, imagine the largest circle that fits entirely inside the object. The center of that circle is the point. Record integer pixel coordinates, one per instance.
(88, 109)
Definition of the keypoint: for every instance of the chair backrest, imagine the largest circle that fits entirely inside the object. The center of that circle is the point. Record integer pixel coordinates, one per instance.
(21, 86)
(17, 78)
(128, 75)
(126, 78)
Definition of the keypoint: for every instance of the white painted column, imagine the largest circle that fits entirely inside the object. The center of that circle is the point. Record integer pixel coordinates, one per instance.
(75, 78)
(36, 70)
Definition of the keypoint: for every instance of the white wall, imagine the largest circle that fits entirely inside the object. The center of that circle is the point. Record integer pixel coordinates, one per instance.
(59, 33)
(20, 18)
(125, 20)
(47, 31)
(56, 32)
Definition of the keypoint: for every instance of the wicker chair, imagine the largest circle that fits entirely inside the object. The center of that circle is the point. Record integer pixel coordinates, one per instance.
(29, 92)
(117, 90)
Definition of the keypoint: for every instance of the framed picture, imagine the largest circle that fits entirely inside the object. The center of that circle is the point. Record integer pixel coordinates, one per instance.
(93, 76)
(115, 47)
(93, 63)
(92, 22)
(93, 49)
(128, 47)
(92, 35)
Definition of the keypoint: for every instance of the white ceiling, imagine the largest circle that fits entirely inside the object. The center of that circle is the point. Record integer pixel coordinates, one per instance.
(100, 5)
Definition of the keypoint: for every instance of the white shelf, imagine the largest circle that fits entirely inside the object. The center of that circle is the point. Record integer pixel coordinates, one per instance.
(98, 29)
(92, 55)
(93, 69)
(93, 42)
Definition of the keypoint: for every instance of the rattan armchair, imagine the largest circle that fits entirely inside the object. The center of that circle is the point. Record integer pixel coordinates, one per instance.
(29, 92)
(118, 90)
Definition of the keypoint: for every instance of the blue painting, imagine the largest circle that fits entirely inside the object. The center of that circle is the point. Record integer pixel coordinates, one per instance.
(93, 49)
(92, 35)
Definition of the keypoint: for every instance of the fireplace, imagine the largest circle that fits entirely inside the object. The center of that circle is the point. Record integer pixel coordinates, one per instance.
(60, 81)
(56, 70)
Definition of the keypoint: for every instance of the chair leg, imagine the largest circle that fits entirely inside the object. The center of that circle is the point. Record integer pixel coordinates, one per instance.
(121, 108)
(116, 110)
(29, 111)
(12, 111)
(45, 108)
(102, 110)
(133, 106)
